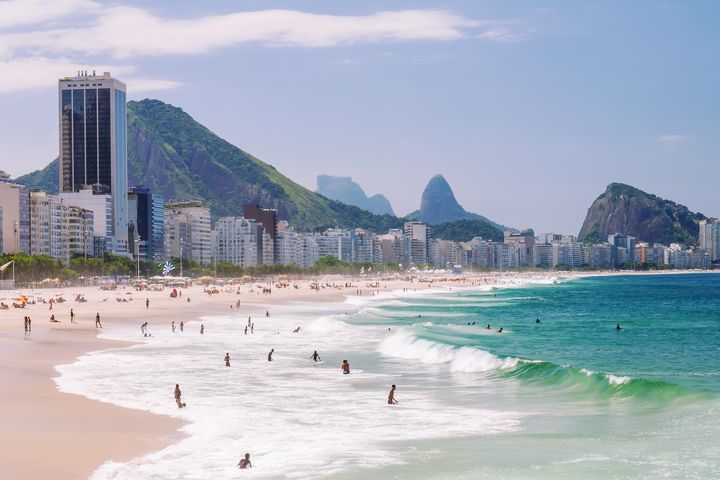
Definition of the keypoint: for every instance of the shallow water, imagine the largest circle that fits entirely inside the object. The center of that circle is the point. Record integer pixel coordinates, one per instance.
(569, 397)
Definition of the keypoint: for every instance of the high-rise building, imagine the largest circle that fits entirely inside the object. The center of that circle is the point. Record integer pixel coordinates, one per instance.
(58, 229)
(268, 218)
(93, 143)
(187, 232)
(146, 211)
(524, 242)
(237, 241)
(418, 235)
(709, 238)
(619, 243)
(15, 203)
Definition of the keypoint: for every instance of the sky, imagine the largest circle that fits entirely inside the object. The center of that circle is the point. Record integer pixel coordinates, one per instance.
(528, 108)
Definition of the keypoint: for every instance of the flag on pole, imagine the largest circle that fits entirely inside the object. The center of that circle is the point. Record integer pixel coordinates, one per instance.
(4, 267)
(167, 268)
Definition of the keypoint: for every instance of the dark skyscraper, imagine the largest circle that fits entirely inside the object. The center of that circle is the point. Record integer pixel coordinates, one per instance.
(268, 219)
(93, 143)
(146, 212)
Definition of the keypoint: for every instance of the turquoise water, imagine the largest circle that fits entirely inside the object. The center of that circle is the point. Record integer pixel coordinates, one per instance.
(595, 402)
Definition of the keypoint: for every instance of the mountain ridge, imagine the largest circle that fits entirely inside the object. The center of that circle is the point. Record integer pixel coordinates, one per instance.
(344, 189)
(628, 210)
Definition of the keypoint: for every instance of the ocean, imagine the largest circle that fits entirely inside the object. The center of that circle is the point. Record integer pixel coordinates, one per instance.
(570, 397)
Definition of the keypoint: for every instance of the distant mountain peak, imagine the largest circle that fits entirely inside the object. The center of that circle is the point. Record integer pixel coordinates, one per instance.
(628, 210)
(344, 189)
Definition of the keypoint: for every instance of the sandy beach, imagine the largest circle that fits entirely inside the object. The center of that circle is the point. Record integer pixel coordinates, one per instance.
(49, 434)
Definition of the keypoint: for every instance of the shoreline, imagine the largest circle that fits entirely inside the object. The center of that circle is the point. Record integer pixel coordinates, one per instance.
(74, 435)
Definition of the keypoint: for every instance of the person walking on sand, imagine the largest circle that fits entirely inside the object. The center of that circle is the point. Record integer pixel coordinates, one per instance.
(147, 303)
(202, 329)
(272, 350)
(267, 313)
(391, 396)
(245, 462)
(245, 329)
(345, 367)
(173, 326)
(315, 356)
(227, 359)
(29, 324)
(72, 316)
(182, 326)
(97, 320)
(252, 328)
(26, 323)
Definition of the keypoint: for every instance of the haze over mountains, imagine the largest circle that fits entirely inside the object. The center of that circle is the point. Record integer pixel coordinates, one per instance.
(182, 160)
(343, 189)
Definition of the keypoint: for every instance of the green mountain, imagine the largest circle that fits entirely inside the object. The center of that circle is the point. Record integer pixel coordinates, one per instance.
(182, 160)
(649, 218)
(466, 230)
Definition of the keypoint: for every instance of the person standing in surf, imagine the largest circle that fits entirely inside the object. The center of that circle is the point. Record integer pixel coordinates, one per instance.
(391, 396)
(245, 462)
(227, 359)
(272, 350)
(315, 356)
(345, 367)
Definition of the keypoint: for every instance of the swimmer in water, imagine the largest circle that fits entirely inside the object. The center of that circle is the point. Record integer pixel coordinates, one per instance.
(315, 356)
(488, 327)
(500, 331)
(245, 462)
(618, 327)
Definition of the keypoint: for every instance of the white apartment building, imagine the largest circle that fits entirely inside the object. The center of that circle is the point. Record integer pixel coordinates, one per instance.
(57, 229)
(15, 204)
(188, 233)
(237, 241)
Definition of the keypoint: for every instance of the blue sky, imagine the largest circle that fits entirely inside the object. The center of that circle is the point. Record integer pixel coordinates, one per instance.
(528, 108)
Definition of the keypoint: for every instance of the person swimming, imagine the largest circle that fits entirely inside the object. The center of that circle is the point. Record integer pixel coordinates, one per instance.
(488, 327)
(501, 330)
(618, 327)
(245, 462)
(537, 320)
(315, 356)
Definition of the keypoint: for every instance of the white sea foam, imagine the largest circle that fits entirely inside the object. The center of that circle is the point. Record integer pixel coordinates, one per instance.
(297, 419)
(404, 344)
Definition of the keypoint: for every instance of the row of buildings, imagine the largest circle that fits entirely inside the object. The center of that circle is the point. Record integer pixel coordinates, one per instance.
(95, 213)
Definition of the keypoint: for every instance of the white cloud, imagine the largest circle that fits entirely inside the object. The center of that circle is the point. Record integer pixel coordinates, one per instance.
(15, 13)
(123, 32)
(670, 138)
(144, 84)
(40, 72)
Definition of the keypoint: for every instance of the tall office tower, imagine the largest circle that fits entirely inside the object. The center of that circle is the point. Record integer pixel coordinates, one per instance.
(146, 212)
(268, 218)
(93, 143)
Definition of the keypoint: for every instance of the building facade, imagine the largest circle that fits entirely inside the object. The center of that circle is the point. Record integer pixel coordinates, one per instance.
(188, 233)
(15, 203)
(93, 143)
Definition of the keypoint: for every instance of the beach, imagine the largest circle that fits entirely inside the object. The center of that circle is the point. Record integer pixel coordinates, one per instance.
(48, 433)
